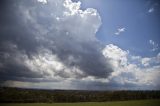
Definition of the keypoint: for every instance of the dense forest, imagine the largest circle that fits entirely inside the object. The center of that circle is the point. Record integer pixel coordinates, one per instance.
(19, 95)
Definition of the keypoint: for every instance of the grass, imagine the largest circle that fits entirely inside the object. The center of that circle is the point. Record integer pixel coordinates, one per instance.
(118, 103)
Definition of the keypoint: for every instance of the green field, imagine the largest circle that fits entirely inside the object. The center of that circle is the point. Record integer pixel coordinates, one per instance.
(120, 103)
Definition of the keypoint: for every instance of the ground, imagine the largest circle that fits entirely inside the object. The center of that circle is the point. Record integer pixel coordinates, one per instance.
(118, 103)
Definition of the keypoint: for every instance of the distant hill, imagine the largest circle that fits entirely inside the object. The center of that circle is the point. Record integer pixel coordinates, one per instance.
(19, 95)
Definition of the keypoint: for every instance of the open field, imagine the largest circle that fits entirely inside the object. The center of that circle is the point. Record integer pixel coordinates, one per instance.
(118, 103)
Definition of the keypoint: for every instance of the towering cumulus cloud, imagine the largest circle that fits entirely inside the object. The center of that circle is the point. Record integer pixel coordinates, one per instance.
(50, 41)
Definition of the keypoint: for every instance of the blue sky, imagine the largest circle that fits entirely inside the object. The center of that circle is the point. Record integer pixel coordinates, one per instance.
(133, 15)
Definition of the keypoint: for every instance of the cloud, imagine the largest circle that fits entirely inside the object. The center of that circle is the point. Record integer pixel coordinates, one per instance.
(42, 1)
(151, 10)
(151, 42)
(119, 31)
(145, 61)
(155, 46)
(153, 7)
(132, 72)
(55, 46)
(117, 56)
(50, 43)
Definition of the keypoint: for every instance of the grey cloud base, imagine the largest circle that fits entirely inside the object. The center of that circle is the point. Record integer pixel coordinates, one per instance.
(33, 34)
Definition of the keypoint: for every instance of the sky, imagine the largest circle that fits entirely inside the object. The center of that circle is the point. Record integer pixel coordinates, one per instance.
(80, 44)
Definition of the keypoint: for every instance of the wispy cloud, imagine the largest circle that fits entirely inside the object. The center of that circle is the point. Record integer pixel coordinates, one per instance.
(42, 1)
(151, 10)
(155, 46)
(119, 31)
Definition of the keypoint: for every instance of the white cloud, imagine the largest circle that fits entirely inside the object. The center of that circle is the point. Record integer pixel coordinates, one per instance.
(155, 46)
(153, 7)
(42, 1)
(151, 10)
(73, 8)
(51, 67)
(128, 68)
(119, 31)
(145, 61)
(117, 56)
(151, 42)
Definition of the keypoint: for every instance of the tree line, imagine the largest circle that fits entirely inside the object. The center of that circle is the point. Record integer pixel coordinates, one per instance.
(19, 95)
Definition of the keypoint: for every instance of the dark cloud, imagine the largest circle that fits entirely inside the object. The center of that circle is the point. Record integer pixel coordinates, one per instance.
(28, 27)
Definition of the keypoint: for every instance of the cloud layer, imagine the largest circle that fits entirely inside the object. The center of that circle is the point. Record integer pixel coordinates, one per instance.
(53, 44)
(132, 72)
(48, 40)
